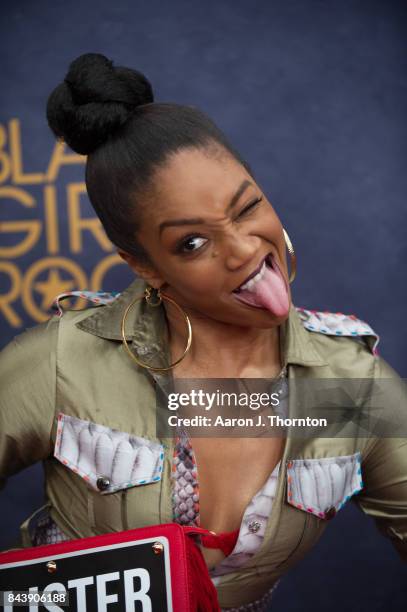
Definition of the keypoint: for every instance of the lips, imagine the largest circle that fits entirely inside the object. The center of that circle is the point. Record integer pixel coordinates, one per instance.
(267, 259)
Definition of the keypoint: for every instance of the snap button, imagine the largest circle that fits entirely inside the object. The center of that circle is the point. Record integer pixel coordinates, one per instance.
(254, 526)
(330, 513)
(103, 483)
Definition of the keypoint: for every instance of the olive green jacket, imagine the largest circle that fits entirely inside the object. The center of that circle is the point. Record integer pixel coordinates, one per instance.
(76, 366)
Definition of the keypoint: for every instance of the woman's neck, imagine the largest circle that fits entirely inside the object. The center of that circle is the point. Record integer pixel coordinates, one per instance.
(221, 350)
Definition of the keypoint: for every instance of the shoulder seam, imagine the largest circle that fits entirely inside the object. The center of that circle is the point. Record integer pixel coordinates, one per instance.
(338, 325)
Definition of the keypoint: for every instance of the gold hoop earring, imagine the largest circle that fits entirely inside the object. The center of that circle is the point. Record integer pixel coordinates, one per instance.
(293, 256)
(147, 297)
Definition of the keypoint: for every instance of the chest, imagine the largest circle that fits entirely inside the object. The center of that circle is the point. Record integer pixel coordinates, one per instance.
(230, 472)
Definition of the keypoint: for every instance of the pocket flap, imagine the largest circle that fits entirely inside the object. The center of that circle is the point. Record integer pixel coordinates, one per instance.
(107, 459)
(323, 486)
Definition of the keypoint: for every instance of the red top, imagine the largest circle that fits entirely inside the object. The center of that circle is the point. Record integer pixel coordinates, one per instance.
(225, 541)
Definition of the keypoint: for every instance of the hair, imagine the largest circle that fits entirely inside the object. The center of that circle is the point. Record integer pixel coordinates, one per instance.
(108, 113)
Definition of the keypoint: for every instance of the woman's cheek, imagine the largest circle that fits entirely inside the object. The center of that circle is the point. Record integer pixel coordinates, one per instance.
(202, 283)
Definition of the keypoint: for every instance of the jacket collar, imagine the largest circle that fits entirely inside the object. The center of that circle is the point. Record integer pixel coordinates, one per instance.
(146, 329)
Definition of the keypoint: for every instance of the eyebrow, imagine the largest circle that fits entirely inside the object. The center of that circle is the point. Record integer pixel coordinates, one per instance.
(197, 220)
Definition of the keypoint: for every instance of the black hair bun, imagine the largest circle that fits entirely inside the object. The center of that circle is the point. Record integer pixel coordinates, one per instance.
(94, 100)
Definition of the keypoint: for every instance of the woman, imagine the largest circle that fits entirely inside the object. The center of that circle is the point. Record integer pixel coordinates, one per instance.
(186, 214)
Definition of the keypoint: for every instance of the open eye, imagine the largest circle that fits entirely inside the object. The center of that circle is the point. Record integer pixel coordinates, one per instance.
(191, 244)
(250, 207)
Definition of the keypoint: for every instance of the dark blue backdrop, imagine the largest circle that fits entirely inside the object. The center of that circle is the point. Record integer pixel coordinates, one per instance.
(314, 95)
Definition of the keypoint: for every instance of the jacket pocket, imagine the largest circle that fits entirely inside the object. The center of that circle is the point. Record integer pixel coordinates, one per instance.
(107, 459)
(323, 486)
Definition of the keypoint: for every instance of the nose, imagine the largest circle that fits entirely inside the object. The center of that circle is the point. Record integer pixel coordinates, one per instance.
(241, 250)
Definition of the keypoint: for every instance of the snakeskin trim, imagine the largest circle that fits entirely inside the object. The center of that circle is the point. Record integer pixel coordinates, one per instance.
(185, 490)
(48, 532)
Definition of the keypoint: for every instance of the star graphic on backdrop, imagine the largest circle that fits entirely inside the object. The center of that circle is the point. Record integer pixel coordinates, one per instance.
(52, 287)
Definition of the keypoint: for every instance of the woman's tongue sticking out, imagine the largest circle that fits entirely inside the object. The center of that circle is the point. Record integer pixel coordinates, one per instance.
(269, 292)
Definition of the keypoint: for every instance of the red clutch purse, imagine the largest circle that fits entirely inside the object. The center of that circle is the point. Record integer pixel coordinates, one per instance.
(152, 569)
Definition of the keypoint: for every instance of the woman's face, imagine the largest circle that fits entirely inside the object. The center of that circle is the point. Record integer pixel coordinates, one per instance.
(207, 228)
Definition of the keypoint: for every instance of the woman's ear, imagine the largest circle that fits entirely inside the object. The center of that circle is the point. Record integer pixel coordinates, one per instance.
(142, 269)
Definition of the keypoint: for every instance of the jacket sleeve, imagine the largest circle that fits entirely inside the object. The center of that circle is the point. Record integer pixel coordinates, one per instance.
(27, 397)
(384, 467)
